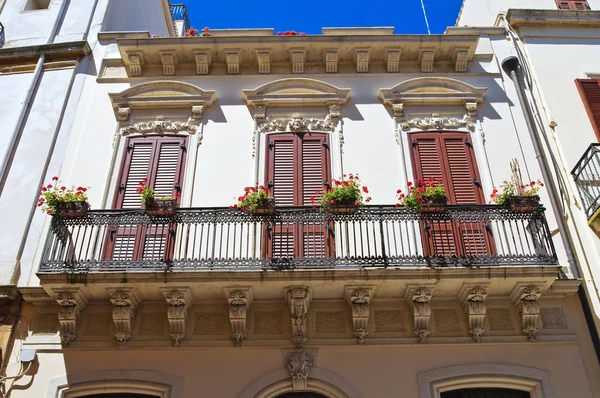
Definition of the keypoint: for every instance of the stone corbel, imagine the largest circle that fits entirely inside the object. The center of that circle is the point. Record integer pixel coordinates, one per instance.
(72, 302)
(264, 61)
(334, 112)
(168, 58)
(525, 297)
(393, 60)
(398, 109)
(179, 300)
(125, 303)
(202, 62)
(471, 109)
(239, 300)
(362, 61)
(136, 63)
(123, 114)
(197, 112)
(233, 61)
(298, 298)
(358, 298)
(297, 57)
(419, 298)
(299, 364)
(472, 298)
(331, 61)
(260, 113)
(427, 58)
(461, 57)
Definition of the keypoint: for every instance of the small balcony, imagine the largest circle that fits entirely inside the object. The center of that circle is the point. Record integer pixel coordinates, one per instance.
(2, 38)
(180, 18)
(587, 178)
(201, 239)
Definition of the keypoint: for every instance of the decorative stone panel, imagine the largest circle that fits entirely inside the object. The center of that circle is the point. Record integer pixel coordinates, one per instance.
(209, 323)
(298, 298)
(389, 321)
(358, 298)
(125, 303)
(437, 122)
(299, 364)
(239, 300)
(499, 319)
(268, 322)
(72, 302)
(97, 324)
(178, 300)
(151, 324)
(419, 298)
(553, 318)
(446, 320)
(46, 323)
(260, 113)
(526, 297)
(472, 298)
(329, 322)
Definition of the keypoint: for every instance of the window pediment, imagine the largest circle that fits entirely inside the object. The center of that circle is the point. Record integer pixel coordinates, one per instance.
(296, 92)
(432, 91)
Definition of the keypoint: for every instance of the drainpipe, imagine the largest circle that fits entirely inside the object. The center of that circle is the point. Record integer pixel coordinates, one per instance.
(511, 67)
(15, 136)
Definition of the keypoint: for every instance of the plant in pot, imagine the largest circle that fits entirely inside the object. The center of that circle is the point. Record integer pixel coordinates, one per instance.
(427, 196)
(343, 196)
(256, 200)
(163, 206)
(518, 198)
(58, 200)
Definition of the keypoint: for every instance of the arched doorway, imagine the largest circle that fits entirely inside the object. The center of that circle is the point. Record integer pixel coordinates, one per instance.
(486, 393)
(301, 395)
(120, 395)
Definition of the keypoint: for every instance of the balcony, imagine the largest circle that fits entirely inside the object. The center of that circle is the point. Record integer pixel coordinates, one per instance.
(1, 35)
(587, 178)
(180, 18)
(201, 239)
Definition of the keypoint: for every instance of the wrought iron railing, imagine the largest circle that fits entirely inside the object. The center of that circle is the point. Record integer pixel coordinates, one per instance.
(179, 13)
(222, 238)
(587, 178)
(2, 38)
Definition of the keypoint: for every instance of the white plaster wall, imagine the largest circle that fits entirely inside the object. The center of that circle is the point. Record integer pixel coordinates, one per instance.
(15, 88)
(136, 15)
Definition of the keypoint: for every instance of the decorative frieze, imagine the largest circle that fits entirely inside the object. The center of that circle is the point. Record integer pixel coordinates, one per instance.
(179, 300)
(168, 60)
(297, 123)
(136, 63)
(125, 303)
(160, 126)
(233, 61)
(239, 300)
(362, 61)
(526, 297)
(472, 298)
(427, 58)
(202, 62)
(299, 364)
(331, 61)
(393, 60)
(358, 298)
(298, 298)
(72, 302)
(461, 60)
(436, 122)
(419, 298)
(298, 59)
(264, 61)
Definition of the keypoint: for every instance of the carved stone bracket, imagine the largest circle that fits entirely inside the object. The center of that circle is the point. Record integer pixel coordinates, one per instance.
(72, 302)
(160, 126)
(472, 298)
(123, 114)
(299, 364)
(398, 110)
(125, 303)
(334, 112)
(525, 297)
(260, 113)
(419, 298)
(239, 300)
(298, 298)
(435, 122)
(197, 112)
(179, 300)
(471, 109)
(358, 298)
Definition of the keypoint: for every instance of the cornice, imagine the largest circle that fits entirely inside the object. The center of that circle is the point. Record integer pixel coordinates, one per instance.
(106, 36)
(296, 91)
(476, 30)
(56, 52)
(580, 19)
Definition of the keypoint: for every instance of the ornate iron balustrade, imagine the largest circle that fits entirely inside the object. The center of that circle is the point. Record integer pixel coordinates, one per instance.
(179, 13)
(299, 237)
(587, 178)
(2, 38)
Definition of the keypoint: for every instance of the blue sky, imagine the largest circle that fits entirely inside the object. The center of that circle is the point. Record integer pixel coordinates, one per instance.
(311, 15)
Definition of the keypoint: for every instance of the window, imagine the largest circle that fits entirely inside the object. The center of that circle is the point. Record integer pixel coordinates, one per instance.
(450, 156)
(32, 5)
(486, 393)
(297, 165)
(160, 159)
(589, 89)
(580, 5)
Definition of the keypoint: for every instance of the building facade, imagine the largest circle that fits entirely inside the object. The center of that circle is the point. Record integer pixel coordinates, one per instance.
(379, 302)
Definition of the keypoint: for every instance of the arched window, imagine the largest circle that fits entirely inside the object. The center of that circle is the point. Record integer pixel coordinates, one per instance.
(486, 393)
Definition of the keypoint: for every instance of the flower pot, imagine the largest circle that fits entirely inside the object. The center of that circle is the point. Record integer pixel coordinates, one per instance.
(434, 205)
(523, 204)
(72, 209)
(342, 207)
(161, 207)
(267, 206)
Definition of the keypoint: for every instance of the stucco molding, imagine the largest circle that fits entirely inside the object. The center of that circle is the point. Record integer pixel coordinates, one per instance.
(418, 298)
(162, 385)
(296, 92)
(298, 299)
(358, 297)
(437, 122)
(239, 300)
(179, 300)
(432, 91)
(535, 381)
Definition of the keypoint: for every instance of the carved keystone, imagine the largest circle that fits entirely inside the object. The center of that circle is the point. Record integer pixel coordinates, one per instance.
(419, 298)
(525, 297)
(72, 302)
(298, 298)
(125, 303)
(179, 300)
(299, 364)
(472, 298)
(239, 299)
(358, 298)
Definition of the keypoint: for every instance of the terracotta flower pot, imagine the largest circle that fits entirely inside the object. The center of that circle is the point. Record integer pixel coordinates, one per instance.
(72, 209)
(523, 204)
(342, 207)
(161, 207)
(434, 205)
(267, 206)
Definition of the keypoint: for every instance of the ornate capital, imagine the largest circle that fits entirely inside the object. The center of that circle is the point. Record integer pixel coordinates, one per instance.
(125, 303)
(472, 298)
(239, 300)
(471, 109)
(435, 122)
(179, 300)
(358, 298)
(297, 123)
(334, 111)
(398, 109)
(299, 364)
(197, 112)
(160, 126)
(298, 298)
(525, 297)
(418, 298)
(72, 302)
(123, 114)
(260, 113)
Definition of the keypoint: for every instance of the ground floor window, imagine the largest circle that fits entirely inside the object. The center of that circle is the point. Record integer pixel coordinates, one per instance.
(485, 393)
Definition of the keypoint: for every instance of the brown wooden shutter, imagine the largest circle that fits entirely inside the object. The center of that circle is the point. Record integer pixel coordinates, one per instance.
(461, 174)
(589, 89)
(579, 5)
(314, 165)
(281, 168)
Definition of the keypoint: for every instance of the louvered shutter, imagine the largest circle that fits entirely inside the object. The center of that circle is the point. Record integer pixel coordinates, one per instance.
(589, 89)
(579, 5)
